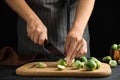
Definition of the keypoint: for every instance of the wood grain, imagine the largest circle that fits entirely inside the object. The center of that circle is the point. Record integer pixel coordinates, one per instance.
(31, 69)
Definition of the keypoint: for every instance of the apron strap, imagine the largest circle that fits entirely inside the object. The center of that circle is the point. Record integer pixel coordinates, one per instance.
(68, 15)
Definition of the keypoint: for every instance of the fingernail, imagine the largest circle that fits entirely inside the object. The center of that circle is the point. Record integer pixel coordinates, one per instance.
(67, 59)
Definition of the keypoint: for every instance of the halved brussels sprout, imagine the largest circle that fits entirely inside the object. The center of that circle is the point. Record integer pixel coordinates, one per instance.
(77, 64)
(42, 65)
(62, 62)
(60, 67)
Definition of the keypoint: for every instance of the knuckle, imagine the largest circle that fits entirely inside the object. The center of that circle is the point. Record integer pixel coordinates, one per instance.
(28, 34)
(45, 29)
(77, 39)
(41, 41)
(35, 42)
(38, 30)
(83, 40)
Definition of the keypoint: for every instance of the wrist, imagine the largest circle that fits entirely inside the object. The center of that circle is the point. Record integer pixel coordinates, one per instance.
(77, 28)
(30, 18)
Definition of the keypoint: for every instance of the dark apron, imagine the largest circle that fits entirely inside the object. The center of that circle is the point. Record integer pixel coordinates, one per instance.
(53, 14)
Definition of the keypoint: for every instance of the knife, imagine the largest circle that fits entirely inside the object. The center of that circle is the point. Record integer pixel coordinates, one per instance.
(51, 48)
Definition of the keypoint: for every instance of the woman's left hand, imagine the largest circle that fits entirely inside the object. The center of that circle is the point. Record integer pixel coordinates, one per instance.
(75, 45)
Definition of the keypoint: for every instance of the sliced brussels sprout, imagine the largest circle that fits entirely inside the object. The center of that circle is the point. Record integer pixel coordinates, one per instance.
(77, 64)
(62, 62)
(42, 65)
(60, 67)
(82, 64)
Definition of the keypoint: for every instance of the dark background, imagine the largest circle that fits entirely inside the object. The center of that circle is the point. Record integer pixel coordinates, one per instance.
(104, 26)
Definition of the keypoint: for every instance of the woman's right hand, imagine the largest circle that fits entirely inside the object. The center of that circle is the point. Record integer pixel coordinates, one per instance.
(37, 31)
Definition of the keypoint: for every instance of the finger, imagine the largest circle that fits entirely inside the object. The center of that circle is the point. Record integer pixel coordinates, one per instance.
(82, 51)
(66, 46)
(46, 36)
(70, 52)
(37, 32)
(72, 46)
(42, 38)
(84, 48)
(75, 51)
(30, 31)
(80, 44)
(32, 36)
(36, 36)
(67, 59)
(72, 57)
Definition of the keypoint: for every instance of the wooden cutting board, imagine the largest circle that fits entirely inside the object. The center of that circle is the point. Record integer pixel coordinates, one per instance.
(31, 69)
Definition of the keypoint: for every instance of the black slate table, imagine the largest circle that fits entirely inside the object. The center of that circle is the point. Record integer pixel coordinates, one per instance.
(8, 73)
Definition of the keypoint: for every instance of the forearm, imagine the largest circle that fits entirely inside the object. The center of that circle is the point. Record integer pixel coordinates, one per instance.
(22, 9)
(83, 12)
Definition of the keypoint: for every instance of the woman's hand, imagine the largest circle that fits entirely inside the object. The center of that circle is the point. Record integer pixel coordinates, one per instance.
(75, 45)
(37, 31)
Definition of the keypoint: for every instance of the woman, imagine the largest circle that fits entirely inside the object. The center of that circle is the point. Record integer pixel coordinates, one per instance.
(42, 20)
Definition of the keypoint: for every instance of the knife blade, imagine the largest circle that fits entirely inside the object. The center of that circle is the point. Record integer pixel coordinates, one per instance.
(51, 48)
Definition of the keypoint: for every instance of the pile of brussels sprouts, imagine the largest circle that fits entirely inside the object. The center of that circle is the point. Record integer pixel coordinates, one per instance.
(114, 58)
(112, 62)
(88, 64)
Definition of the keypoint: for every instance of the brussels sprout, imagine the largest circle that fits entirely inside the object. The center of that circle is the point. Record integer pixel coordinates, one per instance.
(92, 58)
(119, 62)
(60, 67)
(90, 65)
(41, 65)
(113, 63)
(62, 62)
(82, 64)
(98, 64)
(77, 64)
(83, 59)
(96, 61)
(118, 46)
(106, 59)
(114, 46)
